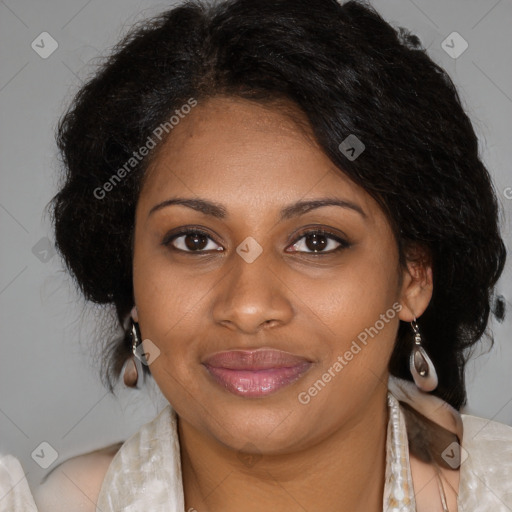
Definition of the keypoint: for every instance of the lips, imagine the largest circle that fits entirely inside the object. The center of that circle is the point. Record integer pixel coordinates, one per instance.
(261, 359)
(255, 373)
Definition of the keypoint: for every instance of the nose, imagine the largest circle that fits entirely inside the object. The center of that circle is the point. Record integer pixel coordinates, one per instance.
(253, 296)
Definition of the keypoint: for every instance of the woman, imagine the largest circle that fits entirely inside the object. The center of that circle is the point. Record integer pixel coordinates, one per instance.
(284, 202)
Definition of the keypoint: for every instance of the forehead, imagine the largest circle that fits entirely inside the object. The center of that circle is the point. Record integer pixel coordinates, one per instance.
(238, 151)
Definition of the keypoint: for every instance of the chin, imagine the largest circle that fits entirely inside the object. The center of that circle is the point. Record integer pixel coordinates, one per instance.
(269, 426)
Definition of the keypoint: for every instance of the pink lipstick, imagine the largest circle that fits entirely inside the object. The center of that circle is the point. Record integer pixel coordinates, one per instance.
(255, 373)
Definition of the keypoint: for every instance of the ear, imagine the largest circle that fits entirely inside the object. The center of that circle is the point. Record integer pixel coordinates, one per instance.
(134, 314)
(417, 283)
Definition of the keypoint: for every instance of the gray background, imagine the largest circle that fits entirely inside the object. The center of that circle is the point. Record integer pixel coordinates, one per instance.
(49, 386)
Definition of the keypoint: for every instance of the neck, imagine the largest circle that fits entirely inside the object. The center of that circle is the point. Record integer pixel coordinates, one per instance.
(343, 472)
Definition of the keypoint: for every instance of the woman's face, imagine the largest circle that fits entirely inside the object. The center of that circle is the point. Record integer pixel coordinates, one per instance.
(309, 297)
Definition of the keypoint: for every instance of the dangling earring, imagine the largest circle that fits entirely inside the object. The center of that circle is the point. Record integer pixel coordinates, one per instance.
(421, 366)
(132, 369)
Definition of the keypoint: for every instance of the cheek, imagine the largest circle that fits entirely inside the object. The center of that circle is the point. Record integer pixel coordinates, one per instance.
(363, 324)
(359, 309)
(167, 305)
(165, 293)
(357, 293)
(166, 302)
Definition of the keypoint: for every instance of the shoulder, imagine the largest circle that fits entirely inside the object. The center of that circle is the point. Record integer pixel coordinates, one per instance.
(486, 469)
(74, 485)
(483, 438)
(481, 430)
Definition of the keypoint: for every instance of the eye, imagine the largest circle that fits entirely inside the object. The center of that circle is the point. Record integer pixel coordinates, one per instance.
(319, 241)
(315, 241)
(191, 240)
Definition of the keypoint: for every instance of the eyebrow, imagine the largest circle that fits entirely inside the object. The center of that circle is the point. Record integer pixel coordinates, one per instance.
(292, 210)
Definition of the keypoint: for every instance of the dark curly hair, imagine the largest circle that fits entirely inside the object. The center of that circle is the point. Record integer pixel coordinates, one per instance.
(349, 72)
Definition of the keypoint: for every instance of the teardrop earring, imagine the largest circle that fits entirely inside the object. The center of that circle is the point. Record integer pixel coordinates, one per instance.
(421, 366)
(132, 370)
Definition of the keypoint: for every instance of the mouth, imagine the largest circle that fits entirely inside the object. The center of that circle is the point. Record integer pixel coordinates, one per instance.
(255, 373)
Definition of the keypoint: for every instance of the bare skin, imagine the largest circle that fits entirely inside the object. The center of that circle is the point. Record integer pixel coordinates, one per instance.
(328, 454)
(74, 485)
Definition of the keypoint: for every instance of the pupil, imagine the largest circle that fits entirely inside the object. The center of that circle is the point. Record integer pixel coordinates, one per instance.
(196, 241)
(315, 242)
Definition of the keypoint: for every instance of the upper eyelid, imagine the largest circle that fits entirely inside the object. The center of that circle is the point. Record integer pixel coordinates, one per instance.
(340, 239)
(168, 238)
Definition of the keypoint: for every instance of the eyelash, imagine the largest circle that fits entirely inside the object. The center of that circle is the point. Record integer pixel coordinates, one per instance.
(344, 244)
